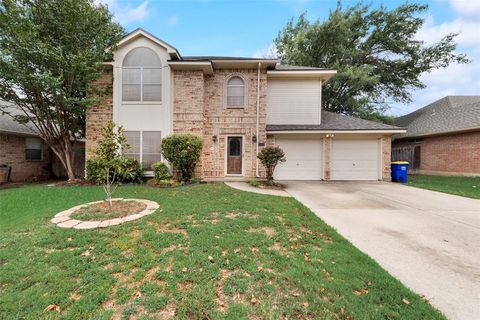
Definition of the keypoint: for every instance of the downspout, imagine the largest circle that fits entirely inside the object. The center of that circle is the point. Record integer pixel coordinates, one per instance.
(258, 120)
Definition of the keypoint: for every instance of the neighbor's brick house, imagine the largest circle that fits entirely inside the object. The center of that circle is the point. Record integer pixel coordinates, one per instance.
(25, 157)
(442, 138)
(237, 106)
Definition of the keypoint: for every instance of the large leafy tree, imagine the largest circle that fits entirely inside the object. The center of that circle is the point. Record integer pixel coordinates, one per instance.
(51, 51)
(375, 50)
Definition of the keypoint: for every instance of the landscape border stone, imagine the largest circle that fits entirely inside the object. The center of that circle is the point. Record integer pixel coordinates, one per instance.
(63, 219)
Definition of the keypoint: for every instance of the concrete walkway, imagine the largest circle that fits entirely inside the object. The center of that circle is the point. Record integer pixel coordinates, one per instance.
(246, 187)
(428, 240)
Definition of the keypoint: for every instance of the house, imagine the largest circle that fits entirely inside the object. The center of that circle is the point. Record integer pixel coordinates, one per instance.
(23, 154)
(442, 138)
(237, 106)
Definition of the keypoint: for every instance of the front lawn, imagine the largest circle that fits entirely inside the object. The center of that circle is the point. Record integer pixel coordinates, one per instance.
(209, 252)
(462, 186)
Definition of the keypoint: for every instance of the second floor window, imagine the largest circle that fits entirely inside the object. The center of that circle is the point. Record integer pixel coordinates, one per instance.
(142, 76)
(235, 92)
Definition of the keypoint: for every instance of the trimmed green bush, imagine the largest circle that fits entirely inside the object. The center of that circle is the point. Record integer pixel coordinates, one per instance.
(183, 152)
(270, 157)
(161, 171)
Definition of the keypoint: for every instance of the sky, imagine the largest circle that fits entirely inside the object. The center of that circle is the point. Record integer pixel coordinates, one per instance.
(247, 28)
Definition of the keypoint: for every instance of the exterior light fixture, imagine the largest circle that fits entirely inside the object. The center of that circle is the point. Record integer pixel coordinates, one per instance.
(214, 138)
(254, 138)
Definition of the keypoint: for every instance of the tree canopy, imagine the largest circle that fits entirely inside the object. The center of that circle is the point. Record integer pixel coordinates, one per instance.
(51, 51)
(375, 51)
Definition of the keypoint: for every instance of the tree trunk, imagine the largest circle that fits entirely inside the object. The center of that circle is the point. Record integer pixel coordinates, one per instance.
(64, 152)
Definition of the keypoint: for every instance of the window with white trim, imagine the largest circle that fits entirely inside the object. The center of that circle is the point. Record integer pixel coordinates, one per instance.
(33, 149)
(141, 76)
(145, 146)
(235, 92)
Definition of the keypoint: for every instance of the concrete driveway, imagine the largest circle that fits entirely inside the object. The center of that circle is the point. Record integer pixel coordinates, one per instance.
(428, 240)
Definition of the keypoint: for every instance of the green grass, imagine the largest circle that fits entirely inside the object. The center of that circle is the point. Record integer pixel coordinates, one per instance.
(462, 186)
(271, 258)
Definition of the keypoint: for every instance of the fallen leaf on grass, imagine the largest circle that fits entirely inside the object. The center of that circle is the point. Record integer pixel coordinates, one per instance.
(184, 270)
(260, 269)
(210, 258)
(361, 291)
(85, 254)
(405, 301)
(69, 239)
(138, 294)
(254, 250)
(254, 300)
(295, 294)
(304, 305)
(53, 307)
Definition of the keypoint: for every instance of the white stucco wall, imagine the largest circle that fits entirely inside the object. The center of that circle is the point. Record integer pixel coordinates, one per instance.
(143, 115)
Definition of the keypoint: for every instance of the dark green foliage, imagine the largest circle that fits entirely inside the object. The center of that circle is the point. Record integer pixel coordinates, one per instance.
(270, 157)
(375, 50)
(182, 151)
(161, 171)
(132, 171)
(50, 53)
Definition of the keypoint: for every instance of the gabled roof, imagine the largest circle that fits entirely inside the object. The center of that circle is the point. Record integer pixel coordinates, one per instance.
(139, 32)
(9, 126)
(336, 122)
(447, 115)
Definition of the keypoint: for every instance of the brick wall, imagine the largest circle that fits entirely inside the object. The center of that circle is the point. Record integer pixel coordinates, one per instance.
(199, 108)
(12, 153)
(101, 113)
(386, 156)
(448, 154)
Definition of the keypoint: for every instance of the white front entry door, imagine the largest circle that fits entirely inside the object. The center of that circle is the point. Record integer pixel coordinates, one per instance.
(355, 159)
(304, 159)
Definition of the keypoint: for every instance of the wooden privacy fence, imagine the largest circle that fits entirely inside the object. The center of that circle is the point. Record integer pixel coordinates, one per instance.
(411, 154)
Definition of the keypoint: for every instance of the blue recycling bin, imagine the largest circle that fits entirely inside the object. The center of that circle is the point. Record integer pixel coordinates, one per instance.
(399, 171)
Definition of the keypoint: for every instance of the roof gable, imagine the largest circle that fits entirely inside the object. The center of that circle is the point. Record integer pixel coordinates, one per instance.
(137, 33)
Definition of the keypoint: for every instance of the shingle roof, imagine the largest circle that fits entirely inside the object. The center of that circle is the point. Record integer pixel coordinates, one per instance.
(335, 122)
(449, 114)
(10, 126)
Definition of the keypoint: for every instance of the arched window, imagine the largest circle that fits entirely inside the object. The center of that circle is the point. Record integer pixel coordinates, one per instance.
(235, 92)
(142, 76)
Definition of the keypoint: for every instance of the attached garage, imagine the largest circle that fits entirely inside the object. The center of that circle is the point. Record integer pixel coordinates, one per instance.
(355, 159)
(304, 159)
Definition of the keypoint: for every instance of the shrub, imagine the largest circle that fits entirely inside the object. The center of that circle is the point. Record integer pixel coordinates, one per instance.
(270, 157)
(182, 152)
(161, 171)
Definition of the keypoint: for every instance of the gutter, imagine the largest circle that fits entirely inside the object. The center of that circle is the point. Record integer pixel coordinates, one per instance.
(335, 131)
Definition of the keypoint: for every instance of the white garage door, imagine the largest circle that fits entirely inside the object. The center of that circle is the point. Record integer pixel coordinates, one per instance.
(355, 159)
(304, 159)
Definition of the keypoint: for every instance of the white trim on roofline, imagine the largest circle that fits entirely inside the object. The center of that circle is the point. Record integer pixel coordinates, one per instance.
(205, 66)
(336, 131)
(323, 74)
(140, 32)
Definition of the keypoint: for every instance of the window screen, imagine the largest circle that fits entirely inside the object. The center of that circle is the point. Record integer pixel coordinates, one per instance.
(144, 146)
(142, 76)
(33, 149)
(235, 92)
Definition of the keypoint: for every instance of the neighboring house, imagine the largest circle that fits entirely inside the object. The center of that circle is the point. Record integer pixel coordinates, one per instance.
(442, 138)
(25, 157)
(237, 106)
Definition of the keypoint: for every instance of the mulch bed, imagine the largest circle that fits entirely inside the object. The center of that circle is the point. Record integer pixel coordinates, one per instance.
(103, 211)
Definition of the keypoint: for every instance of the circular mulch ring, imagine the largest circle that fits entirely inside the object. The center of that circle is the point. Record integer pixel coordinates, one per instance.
(63, 219)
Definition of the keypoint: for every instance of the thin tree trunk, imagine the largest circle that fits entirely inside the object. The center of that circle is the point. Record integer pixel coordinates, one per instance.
(64, 153)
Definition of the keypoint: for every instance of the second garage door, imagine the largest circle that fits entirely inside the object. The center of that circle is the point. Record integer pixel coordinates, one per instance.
(355, 159)
(304, 159)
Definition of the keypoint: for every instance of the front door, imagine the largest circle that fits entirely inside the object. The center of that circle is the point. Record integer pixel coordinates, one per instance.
(234, 155)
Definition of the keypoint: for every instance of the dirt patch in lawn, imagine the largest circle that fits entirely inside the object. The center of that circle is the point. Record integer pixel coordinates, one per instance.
(103, 211)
